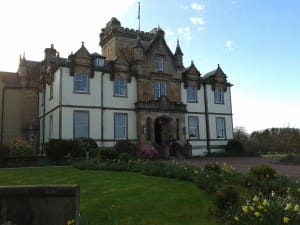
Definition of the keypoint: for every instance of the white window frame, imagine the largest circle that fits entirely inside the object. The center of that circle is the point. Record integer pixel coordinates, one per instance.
(119, 85)
(191, 92)
(81, 83)
(220, 128)
(98, 62)
(160, 89)
(121, 130)
(159, 60)
(84, 123)
(193, 128)
(219, 96)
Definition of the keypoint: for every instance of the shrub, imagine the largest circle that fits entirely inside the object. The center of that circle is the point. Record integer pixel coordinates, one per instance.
(82, 146)
(57, 149)
(235, 146)
(124, 157)
(20, 149)
(212, 168)
(126, 146)
(4, 152)
(260, 178)
(226, 198)
(107, 153)
(263, 172)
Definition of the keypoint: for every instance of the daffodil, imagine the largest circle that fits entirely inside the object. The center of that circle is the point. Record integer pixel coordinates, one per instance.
(255, 199)
(285, 219)
(296, 207)
(265, 203)
(236, 219)
(257, 214)
(260, 207)
(288, 206)
(245, 209)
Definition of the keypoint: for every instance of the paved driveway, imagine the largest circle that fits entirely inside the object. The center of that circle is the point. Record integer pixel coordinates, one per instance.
(244, 163)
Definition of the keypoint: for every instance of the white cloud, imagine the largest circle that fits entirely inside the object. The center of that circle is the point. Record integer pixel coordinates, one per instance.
(169, 32)
(186, 7)
(229, 45)
(185, 32)
(197, 20)
(197, 6)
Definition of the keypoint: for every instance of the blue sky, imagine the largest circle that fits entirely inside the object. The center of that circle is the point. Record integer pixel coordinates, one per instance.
(255, 42)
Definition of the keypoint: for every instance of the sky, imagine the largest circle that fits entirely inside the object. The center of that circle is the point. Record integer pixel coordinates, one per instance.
(256, 43)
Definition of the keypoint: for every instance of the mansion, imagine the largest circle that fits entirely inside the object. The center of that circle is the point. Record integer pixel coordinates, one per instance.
(137, 89)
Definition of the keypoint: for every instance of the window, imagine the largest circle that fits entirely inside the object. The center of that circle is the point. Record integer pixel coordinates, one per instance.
(219, 96)
(81, 83)
(159, 63)
(50, 127)
(191, 94)
(81, 124)
(193, 126)
(160, 89)
(220, 124)
(51, 91)
(98, 62)
(120, 87)
(120, 121)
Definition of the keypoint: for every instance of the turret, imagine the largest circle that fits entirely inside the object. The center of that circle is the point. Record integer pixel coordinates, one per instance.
(178, 57)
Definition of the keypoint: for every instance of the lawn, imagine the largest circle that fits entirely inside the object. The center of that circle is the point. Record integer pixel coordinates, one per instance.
(123, 197)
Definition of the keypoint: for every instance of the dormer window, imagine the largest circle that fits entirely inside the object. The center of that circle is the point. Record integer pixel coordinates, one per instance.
(98, 62)
(191, 94)
(159, 63)
(219, 98)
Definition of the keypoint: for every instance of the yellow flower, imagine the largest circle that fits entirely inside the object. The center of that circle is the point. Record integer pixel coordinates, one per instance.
(73, 221)
(69, 222)
(236, 219)
(255, 199)
(196, 172)
(257, 214)
(265, 203)
(260, 207)
(296, 208)
(245, 209)
(288, 206)
(285, 219)
(251, 208)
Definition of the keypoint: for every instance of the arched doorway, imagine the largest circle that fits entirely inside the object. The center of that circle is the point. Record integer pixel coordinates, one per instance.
(162, 129)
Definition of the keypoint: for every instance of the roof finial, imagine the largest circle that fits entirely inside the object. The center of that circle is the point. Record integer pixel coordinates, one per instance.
(82, 43)
(139, 17)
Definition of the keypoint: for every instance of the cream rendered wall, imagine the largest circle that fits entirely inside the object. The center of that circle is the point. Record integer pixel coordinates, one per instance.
(108, 123)
(119, 102)
(53, 102)
(68, 122)
(93, 98)
(55, 131)
(218, 108)
(199, 106)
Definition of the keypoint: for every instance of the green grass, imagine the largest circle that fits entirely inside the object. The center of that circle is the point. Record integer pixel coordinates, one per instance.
(123, 197)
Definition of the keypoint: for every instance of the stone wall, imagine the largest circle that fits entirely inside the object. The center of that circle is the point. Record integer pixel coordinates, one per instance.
(40, 205)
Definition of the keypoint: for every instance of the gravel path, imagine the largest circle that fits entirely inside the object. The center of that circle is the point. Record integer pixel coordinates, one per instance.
(244, 163)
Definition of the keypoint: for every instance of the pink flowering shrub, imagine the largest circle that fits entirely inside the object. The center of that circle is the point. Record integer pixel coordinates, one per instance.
(148, 152)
